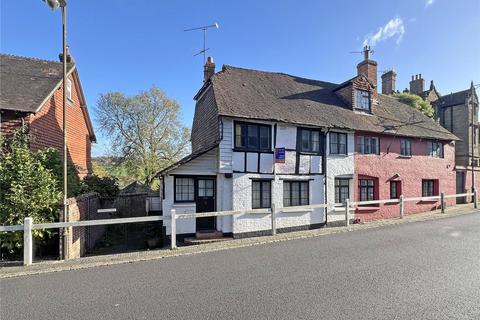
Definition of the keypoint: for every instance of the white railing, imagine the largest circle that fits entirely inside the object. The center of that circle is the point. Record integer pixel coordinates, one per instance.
(345, 208)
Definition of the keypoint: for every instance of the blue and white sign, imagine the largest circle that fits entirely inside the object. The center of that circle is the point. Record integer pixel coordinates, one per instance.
(279, 155)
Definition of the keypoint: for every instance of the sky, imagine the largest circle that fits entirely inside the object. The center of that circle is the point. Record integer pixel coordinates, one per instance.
(128, 46)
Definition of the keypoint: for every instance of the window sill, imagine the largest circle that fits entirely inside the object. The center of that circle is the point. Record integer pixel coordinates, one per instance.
(287, 210)
(368, 208)
(428, 201)
(184, 204)
(337, 155)
(404, 157)
(252, 150)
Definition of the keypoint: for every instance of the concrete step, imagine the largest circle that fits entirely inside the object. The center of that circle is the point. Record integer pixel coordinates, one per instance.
(194, 241)
(209, 235)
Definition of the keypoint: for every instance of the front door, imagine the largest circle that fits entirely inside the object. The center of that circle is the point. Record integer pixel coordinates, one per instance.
(205, 202)
(460, 186)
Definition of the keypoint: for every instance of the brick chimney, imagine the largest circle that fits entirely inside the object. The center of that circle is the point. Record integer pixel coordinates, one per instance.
(69, 56)
(417, 85)
(389, 80)
(208, 69)
(368, 67)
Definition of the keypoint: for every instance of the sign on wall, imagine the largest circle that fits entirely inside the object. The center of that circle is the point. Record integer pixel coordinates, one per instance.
(279, 155)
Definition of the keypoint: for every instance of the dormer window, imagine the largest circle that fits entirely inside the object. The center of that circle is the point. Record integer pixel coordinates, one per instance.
(362, 100)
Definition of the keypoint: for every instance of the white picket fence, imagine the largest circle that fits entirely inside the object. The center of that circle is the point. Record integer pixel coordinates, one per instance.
(345, 208)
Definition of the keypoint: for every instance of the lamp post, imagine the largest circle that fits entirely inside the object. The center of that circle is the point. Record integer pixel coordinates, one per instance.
(55, 4)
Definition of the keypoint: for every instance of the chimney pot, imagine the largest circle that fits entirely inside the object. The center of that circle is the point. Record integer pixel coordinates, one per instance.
(417, 85)
(389, 80)
(208, 69)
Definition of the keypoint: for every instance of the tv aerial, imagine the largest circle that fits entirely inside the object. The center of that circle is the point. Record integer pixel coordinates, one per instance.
(367, 51)
(204, 29)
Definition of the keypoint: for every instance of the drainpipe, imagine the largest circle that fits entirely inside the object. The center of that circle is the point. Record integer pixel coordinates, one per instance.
(324, 163)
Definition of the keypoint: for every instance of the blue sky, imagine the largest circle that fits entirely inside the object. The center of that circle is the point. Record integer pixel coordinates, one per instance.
(129, 46)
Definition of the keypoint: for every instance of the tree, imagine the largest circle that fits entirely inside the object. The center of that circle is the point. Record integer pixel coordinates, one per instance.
(28, 189)
(417, 102)
(145, 130)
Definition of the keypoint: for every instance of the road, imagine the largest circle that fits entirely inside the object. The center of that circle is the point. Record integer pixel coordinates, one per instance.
(422, 270)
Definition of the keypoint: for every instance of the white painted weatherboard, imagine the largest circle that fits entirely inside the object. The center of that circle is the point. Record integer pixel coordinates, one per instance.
(340, 166)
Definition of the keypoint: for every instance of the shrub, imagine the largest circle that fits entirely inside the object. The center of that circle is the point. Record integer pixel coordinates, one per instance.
(28, 189)
(416, 102)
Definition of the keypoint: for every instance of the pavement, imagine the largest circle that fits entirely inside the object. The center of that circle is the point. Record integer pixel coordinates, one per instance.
(130, 257)
(428, 269)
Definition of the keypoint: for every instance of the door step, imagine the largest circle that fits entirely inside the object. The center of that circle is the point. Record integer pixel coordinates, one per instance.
(208, 235)
(194, 241)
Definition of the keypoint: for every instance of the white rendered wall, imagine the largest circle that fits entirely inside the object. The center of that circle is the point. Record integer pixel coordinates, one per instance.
(242, 200)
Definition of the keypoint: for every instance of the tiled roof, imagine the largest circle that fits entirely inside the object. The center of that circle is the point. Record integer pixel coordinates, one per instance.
(252, 94)
(26, 82)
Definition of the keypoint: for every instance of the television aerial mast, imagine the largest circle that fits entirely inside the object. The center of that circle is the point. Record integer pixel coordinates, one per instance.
(204, 29)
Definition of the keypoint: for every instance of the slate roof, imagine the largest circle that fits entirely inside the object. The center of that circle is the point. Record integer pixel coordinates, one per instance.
(453, 99)
(252, 94)
(26, 82)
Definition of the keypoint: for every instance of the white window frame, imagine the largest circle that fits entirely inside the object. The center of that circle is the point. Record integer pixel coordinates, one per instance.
(362, 100)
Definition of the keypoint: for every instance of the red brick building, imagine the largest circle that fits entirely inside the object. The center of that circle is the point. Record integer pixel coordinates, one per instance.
(31, 92)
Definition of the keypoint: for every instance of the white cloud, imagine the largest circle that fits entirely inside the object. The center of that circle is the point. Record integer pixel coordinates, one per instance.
(393, 28)
(428, 3)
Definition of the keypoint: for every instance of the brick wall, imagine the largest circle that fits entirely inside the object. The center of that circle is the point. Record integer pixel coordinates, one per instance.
(46, 128)
(80, 208)
(389, 165)
(11, 121)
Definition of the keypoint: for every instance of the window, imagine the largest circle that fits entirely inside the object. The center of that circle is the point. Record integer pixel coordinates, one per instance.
(261, 195)
(184, 189)
(435, 149)
(428, 188)
(338, 143)
(205, 188)
(366, 189)
(394, 189)
(447, 119)
(252, 136)
(362, 100)
(295, 193)
(69, 89)
(310, 140)
(405, 147)
(367, 145)
(342, 190)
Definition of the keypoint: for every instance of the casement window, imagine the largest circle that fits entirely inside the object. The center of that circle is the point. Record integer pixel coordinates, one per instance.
(184, 189)
(362, 100)
(69, 89)
(338, 143)
(310, 140)
(435, 149)
(368, 145)
(428, 188)
(261, 194)
(405, 147)
(366, 188)
(342, 190)
(295, 193)
(394, 189)
(252, 136)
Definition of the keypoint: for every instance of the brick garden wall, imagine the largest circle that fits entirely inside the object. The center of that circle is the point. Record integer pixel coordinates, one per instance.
(80, 208)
